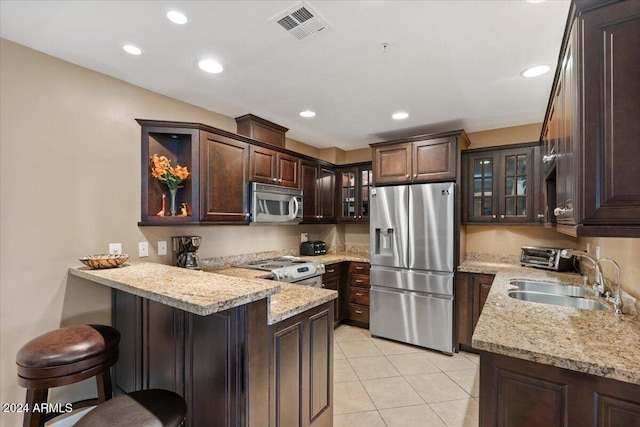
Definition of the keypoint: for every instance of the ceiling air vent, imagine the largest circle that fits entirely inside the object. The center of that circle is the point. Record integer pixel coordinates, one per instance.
(301, 21)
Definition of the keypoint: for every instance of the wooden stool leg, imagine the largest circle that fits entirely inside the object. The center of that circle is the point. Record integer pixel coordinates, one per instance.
(35, 397)
(105, 391)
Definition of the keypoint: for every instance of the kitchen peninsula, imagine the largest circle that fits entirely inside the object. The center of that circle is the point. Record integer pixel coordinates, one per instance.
(240, 349)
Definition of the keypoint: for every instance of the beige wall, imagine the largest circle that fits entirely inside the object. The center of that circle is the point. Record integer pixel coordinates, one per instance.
(504, 136)
(70, 164)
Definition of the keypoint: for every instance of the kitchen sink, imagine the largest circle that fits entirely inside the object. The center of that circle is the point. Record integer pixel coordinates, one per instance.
(561, 300)
(550, 288)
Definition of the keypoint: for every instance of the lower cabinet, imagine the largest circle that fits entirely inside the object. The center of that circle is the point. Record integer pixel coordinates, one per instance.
(335, 278)
(301, 369)
(515, 392)
(471, 293)
(358, 294)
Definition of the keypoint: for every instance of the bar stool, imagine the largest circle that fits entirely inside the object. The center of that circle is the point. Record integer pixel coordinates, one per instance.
(66, 356)
(146, 408)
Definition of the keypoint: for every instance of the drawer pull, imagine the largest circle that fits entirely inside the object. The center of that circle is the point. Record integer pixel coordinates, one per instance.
(358, 294)
(359, 311)
(359, 268)
(358, 281)
(331, 271)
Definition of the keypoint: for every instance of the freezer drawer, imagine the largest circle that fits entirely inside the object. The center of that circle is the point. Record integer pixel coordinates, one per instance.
(415, 318)
(434, 282)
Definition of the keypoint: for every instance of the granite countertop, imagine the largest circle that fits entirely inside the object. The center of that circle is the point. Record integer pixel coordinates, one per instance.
(593, 342)
(193, 291)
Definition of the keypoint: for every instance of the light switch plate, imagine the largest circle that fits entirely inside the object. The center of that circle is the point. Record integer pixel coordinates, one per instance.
(162, 247)
(115, 248)
(304, 237)
(143, 249)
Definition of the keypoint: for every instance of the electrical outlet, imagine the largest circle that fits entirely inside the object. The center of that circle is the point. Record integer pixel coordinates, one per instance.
(588, 248)
(115, 248)
(143, 249)
(162, 247)
(304, 237)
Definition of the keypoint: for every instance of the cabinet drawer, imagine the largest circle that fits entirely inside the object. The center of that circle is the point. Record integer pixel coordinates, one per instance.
(358, 295)
(359, 313)
(359, 280)
(332, 270)
(359, 268)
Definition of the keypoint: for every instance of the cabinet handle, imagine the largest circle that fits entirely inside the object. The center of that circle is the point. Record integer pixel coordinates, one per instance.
(547, 159)
(247, 215)
(359, 312)
(359, 268)
(279, 179)
(559, 211)
(358, 281)
(494, 217)
(415, 175)
(331, 271)
(358, 294)
(540, 216)
(274, 179)
(407, 176)
(502, 216)
(321, 216)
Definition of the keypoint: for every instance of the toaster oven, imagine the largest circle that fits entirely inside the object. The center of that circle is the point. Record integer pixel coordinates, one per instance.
(313, 247)
(547, 258)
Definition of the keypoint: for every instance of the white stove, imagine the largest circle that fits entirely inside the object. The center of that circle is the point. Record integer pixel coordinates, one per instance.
(290, 269)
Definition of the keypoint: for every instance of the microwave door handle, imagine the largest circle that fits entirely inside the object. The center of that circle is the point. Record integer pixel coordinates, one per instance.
(294, 212)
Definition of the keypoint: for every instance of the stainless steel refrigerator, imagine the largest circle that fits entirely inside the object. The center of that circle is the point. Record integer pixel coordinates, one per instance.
(412, 256)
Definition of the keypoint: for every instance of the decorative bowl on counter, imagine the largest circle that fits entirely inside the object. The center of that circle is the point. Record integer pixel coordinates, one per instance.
(104, 260)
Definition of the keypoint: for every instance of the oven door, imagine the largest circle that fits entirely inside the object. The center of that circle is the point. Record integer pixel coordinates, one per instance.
(314, 282)
(277, 206)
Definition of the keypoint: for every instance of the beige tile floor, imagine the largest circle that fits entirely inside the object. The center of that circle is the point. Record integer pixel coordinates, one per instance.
(384, 383)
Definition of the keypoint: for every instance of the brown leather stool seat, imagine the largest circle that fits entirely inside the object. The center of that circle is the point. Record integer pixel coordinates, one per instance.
(146, 408)
(65, 356)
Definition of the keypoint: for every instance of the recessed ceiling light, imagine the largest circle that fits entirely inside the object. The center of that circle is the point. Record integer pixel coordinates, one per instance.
(177, 17)
(536, 71)
(210, 66)
(307, 113)
(133, 50)
(400, 115)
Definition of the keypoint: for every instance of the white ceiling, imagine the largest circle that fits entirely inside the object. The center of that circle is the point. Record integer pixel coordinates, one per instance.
(450, 64)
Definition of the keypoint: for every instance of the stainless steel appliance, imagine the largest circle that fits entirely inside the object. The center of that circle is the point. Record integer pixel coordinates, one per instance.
(291, 269)
(185, 250)
(544, 257)
(412, 248)
(273, 204)
(313, 247)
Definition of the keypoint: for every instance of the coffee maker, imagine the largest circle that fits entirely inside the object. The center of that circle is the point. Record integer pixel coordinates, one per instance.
(184, 251)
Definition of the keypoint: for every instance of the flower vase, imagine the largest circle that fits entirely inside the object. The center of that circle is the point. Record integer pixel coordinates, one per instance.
(172, 207)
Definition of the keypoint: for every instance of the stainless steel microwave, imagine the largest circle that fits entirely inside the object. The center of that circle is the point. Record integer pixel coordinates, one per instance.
(273, 204)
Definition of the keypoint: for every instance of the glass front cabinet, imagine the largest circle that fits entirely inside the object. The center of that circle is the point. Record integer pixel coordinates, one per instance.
(354, 188)
(502, 185)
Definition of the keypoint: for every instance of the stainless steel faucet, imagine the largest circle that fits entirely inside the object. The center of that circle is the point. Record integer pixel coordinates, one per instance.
(616, 299)
(598, 287)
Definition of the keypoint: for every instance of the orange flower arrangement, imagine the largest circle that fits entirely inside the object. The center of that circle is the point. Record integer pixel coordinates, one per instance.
(164, 172)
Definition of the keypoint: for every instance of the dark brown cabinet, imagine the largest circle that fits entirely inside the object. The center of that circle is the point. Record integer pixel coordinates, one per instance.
(516, 392)
(354, 192)
(273, 167)
(358, 294)
(422, 158)
(335, 278)
(471, 293)
(301, 370)
(502, 185)
(590, 121)
(318, 185)
(215, 362)
(224, 172)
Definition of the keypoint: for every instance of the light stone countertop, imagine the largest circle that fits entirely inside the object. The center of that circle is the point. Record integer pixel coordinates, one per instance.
(193, 291)
(593, 342)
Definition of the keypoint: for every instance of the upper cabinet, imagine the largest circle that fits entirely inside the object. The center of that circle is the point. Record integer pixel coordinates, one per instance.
(423, 158)
(354, 190)
(318, 183)
(274, 167)
(590, 129)
(501, 185)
